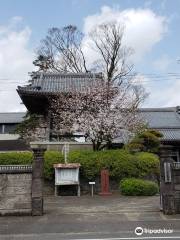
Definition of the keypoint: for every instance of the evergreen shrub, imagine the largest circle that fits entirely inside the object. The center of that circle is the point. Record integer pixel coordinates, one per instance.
(138, 187)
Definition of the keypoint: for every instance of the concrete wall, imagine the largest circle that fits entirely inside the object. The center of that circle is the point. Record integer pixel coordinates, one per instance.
(15, 192)
(57, 146)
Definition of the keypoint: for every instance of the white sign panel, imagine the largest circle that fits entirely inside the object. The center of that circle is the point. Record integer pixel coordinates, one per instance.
(65, 176)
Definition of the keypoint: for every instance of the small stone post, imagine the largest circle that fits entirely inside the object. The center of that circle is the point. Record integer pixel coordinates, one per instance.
(37, 181)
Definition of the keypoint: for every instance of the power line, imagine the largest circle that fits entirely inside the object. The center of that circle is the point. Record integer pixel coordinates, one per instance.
(152, 77)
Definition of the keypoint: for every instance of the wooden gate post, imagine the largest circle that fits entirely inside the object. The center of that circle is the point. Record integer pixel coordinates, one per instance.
(37, 181)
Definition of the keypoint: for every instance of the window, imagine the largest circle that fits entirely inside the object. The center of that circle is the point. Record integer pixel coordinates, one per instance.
(175, 156)
(1, 128)
(7, 128)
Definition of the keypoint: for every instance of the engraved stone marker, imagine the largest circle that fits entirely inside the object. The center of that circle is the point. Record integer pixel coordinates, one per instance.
(105, 183)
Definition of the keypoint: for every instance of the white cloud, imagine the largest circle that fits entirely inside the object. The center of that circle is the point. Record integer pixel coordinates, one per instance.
(15, 62)
(160, 93)
(162, 63)
(163, 94)
(168, 96)
(143, 27)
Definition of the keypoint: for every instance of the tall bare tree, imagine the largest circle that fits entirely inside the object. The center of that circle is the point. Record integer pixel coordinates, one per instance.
(62, 50)
(107, 40)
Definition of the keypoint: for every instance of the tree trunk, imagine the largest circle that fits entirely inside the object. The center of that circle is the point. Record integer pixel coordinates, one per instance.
(96, 145)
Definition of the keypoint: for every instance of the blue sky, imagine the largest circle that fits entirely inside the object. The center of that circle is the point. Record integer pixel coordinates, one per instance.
(152, 30)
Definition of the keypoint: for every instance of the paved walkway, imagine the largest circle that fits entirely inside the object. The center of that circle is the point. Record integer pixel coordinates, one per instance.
(128, 208)
(98, 204)
(89, 218)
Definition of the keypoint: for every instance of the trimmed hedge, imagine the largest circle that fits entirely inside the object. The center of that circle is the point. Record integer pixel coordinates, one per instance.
(121, 163)
(138, 187)
(18, 158)
(50, 158)
(15, 158)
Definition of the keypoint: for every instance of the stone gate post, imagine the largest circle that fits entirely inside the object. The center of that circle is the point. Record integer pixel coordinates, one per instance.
(37, 180)
(167, 197)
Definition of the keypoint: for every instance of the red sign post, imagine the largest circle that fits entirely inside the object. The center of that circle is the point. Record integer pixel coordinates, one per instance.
(105, 183)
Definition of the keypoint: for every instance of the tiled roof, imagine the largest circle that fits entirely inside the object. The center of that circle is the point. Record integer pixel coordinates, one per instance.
(165, 120)
(11, 117)
(170, 134)
(58, 82)
(161, 117)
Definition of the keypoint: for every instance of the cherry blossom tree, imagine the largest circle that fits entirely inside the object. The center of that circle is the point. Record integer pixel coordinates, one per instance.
(100, 120)
(104, 110)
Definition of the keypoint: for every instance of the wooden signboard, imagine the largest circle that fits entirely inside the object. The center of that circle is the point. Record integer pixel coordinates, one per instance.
(67, 174)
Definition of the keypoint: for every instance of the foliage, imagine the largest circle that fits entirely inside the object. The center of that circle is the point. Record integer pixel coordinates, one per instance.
(147, 163)
(88, 160)
(18, 158)
(50, 158)
(42, 62)
(120, 163)
(27, 126)
(138, 187)
(147, 141)
(13, 158)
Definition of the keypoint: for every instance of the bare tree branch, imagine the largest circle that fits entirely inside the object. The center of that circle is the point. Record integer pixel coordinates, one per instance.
(63, 47)
(107, 39)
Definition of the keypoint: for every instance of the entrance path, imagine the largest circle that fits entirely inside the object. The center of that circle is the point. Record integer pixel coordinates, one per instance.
(90, 218)
(98, 204)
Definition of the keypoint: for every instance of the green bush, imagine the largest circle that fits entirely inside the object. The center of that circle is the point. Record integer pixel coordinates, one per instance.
(50, 158)
(147, 141)
(88, 160)
(16, 158)
(138, 187)
(120, 163)
(147, 164)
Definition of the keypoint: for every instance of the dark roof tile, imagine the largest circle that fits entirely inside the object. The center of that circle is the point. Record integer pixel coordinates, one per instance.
(58, 82)
(165, 120)
(11, 117)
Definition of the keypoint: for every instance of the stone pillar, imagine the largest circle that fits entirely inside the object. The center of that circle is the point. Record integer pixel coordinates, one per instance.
(37, 181)
(166, 181)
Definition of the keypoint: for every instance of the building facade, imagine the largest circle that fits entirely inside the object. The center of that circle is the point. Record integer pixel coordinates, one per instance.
(35, 96)
(8, 139)
(167, 122)
(43, 85)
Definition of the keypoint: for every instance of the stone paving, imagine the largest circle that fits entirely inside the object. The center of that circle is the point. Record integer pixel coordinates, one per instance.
(128, 208)
(88, 218)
